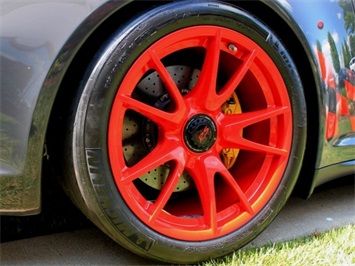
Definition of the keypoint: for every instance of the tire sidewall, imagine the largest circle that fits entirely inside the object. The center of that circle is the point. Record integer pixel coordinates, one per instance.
(90, 149)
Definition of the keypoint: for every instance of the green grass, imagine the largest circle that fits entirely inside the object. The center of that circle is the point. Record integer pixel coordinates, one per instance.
(334, 247)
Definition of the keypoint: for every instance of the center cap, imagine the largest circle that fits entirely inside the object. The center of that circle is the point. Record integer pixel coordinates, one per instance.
(200, 133)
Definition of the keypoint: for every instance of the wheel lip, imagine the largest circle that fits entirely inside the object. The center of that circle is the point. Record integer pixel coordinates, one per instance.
(121, 159)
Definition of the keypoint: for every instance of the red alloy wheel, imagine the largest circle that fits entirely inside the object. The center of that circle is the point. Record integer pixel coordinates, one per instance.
(174, 121)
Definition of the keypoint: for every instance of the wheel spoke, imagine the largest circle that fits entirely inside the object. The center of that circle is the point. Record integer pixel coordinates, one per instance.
(234, 81)
(236, 122)
(241, 195)
(206, 86)
(238, 142)
(204, 174)
(232, 125)
(164, 152)
(169, 83)
(164, 119)
(170, 184)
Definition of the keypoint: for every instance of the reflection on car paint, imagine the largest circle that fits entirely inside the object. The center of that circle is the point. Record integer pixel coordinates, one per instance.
(338, 77)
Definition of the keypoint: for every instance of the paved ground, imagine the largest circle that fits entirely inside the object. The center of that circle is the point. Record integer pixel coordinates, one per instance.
(328, 208)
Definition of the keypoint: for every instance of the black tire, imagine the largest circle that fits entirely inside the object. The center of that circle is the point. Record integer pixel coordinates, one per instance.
(89, 175)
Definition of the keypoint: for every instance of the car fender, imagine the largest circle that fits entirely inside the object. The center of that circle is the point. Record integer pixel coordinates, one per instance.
(38, 62)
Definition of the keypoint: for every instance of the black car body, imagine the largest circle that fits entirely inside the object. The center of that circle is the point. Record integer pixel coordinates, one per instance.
(47, 47)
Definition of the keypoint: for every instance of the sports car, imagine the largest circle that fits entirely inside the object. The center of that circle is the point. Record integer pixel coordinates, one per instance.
(179, 128)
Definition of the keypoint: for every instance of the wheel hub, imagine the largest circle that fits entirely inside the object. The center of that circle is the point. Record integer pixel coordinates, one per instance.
(200, 133)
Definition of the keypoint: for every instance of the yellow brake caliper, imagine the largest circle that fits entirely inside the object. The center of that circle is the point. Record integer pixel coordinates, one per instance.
(232, 106)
